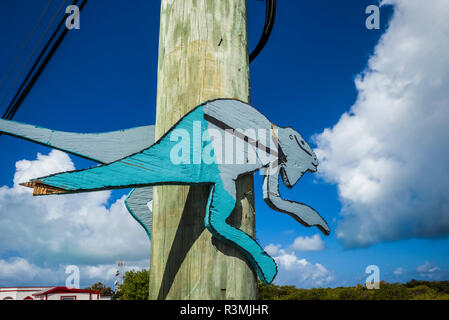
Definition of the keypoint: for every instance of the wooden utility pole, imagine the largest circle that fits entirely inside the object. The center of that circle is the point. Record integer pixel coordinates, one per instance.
(203, 55)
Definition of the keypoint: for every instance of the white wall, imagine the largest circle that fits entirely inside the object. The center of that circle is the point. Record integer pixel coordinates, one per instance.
(20, 293)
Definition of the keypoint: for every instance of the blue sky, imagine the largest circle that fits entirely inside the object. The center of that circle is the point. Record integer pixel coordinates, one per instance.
(103, 78)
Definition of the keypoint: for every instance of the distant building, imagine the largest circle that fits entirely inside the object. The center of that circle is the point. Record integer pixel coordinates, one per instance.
(20, 293)
(49, 293)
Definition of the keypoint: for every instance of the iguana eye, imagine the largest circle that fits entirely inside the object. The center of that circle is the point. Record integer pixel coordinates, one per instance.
(302, 142)
(291, 137)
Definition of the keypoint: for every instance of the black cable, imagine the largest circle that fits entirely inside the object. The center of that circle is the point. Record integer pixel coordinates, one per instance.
(25, 45)
(36, 63)
(21, 94)
(270, 17)
(36, 47)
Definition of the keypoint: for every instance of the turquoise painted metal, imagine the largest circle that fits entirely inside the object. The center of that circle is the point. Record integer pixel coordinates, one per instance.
(195, 151)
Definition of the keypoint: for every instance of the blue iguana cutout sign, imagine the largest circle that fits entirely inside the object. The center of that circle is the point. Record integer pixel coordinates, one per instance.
(196, 150)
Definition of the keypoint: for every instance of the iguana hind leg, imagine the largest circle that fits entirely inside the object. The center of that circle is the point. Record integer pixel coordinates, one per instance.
(220, 206)
(137, 204)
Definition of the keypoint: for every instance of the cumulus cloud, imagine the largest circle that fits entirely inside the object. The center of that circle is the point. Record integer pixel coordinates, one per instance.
(48, 233)
(313, 243)
(19, 269)
(273, 249)
(399, 271)
(107, 272)
(389, 154)
(293, 270)
(300, 272)
(427, 269)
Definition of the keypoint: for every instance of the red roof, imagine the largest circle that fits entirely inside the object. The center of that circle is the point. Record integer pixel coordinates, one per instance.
(65, 290)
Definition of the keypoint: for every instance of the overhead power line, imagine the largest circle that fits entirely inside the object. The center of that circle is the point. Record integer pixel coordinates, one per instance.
(38, 67)
(270, 16)
(25, 45)
(36, 47)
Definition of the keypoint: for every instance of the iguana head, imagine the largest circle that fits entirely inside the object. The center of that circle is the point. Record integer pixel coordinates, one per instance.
(298, 156)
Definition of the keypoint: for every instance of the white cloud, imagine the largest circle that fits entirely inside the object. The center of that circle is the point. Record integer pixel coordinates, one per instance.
(53, 231)
(107, 272)
(389, 155)
(298, 271)
(17, 271)
(273, 249)
(427, 269)
(399, 271)
(18, 268)
(45, 165)
(314, 243)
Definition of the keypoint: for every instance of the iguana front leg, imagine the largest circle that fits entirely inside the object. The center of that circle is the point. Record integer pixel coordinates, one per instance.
(302, 213)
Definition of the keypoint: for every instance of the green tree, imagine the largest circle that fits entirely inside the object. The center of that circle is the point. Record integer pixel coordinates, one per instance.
(268, 292)
(414, 289)
(105, 291)
(135, 286)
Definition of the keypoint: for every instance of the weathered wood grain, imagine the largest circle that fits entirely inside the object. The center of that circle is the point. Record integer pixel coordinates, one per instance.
(203, 55)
